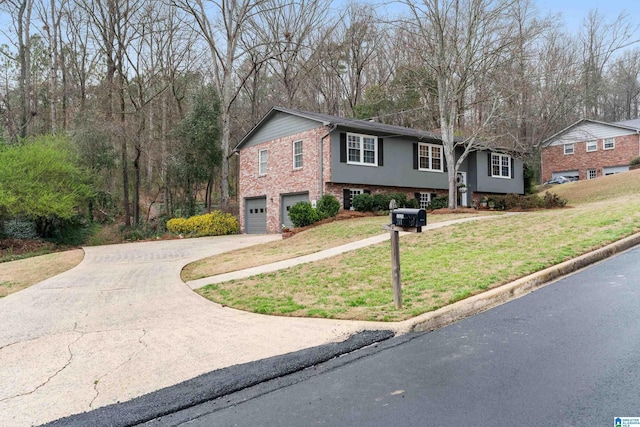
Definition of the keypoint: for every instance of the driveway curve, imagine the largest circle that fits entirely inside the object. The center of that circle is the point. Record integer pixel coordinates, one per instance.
(122, 324)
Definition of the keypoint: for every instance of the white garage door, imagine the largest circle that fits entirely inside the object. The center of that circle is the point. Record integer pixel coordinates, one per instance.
(614, 169)
(255, 215)
(288, 201)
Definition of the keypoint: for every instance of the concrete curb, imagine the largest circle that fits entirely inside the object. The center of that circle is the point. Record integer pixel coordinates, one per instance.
(491, 298)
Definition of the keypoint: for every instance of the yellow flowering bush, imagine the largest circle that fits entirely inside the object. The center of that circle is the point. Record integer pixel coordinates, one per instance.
(215, 223)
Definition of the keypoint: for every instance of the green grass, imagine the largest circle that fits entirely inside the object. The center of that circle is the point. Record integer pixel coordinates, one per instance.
(308, 241)
(438, 267)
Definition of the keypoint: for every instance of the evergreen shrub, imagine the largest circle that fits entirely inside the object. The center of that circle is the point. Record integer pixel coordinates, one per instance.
(215, 223)
(303, 214)
(328, 206)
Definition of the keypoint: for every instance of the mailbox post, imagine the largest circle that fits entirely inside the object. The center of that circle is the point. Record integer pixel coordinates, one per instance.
(407, 220)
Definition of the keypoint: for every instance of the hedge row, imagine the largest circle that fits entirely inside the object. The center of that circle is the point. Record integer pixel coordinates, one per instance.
(533, 201)
(215, 223)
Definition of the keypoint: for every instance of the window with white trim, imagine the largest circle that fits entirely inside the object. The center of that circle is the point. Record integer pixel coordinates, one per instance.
(592, 146)
(262, 162)
(297, 154)
(569, 148)
(592, 173)
(362, 149)
(500, 165)
(608, 144)
(429, 157)
(425, 199)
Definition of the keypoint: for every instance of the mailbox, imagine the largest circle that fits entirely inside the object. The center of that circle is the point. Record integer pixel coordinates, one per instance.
(409, 217)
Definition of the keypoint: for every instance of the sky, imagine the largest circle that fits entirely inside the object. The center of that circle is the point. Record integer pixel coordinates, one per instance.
(574, 11)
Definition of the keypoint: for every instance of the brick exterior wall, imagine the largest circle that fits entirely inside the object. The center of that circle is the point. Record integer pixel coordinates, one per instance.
(281, 178)
(554, 160)
(336, 190)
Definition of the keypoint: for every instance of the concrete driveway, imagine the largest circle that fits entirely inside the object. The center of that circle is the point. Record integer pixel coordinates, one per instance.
(122, 324)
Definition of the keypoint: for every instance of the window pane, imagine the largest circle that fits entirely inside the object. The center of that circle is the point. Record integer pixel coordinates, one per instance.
(354, 148)
(369, 157)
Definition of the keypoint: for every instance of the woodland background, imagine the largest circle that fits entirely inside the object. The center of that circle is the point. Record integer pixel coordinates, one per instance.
(150, 96)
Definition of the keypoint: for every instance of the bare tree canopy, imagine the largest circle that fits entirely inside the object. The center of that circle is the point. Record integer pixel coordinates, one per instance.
(119, 76)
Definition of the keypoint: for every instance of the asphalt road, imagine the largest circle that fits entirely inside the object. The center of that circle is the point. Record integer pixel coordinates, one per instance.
(565, 355)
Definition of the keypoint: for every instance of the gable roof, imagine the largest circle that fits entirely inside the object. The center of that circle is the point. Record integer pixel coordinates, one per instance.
(629, 125)
(353, 124)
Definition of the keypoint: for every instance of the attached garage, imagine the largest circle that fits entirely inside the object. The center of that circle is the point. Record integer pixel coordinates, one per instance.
(566, 174)
(288, 200)
(255, 215)
(614, 170)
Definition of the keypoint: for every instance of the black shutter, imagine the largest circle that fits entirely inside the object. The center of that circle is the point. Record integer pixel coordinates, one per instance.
(417, 196)
(432, 196)
(444, 160)
(343, 148)
(346, 195)
(512, 171)
(365, 191)
(380, 152)
(489, 164)
(415, 155)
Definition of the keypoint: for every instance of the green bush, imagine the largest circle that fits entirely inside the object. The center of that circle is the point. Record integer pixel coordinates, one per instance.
(328, 206)
(438, 203)
(363, 202)
(303, 214)
(400, 198)
(381, 202)
(215, 223)
(635, 161)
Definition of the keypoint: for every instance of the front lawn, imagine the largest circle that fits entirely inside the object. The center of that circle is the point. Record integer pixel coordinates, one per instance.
(438, 267)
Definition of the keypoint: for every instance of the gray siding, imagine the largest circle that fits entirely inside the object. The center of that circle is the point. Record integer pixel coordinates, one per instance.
(487, 184)
(397, 170)
(589, 132)
(280, 126)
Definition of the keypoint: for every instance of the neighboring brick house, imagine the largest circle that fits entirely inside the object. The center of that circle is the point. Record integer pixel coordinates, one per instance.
(588, 149)
(292, 156)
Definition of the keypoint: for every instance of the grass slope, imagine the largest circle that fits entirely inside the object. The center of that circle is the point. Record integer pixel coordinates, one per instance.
(445, 265)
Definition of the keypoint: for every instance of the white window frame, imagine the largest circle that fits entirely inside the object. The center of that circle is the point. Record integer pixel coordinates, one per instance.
(500, 164)
(608, 141)
(431, 149)
(262, 162)
(592, 146)
(592, 173)
(425, 199)
(297, 155)
(569, 148)
(355, 143)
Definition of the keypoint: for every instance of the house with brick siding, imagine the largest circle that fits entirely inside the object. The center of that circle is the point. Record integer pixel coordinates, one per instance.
(589, 148)
(292, 156)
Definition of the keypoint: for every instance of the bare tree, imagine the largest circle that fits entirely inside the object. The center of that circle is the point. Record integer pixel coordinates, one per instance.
(600, 40)
(222, 24)
(463, 40)
(20, 12)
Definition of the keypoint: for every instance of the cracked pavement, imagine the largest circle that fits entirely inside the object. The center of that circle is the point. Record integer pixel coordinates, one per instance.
(122, 324)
